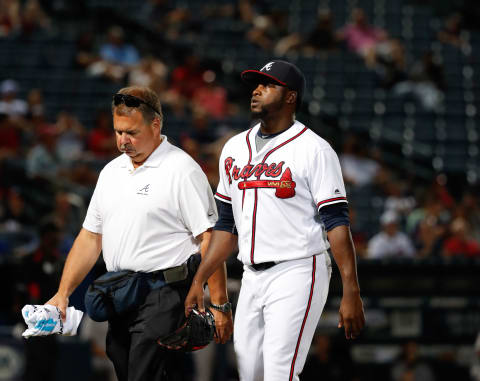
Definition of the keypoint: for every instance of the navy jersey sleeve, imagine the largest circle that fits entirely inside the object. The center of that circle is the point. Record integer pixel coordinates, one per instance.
(225, 221)
(335, 215)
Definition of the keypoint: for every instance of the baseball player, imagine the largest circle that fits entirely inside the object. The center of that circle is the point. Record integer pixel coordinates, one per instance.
(283, 199)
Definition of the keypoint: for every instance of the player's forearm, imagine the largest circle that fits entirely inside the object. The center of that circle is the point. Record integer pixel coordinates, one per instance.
(344, 253)
(82, 257)
(212, 267)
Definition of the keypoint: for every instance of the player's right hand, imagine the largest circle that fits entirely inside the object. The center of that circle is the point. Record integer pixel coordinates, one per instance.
(351, 314)
(61, 302)
(194, 298)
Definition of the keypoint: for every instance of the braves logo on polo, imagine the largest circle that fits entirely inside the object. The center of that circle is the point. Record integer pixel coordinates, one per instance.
(284, 187)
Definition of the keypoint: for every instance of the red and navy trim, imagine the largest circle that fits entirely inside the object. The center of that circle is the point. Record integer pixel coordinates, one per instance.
(265, 74)
(335, 199)
(312, 286)
(254, 222)
(226, 198)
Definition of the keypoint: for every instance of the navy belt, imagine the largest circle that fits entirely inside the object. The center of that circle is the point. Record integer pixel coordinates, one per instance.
(263, 266)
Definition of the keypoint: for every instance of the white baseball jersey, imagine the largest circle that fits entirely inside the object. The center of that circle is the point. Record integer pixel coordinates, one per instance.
(276, 193)
(149, 216)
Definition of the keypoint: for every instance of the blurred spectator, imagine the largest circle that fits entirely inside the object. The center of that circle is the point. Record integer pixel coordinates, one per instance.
(42, 269)
(150, 72)
(357, 168)
(17, 224)
(116, 56)
(451, 31)
(460, 243)
(187, 77)
(33, 18)
(391, 65)
(9, 103)
(469, 209)
(267, 29)
(202, 131)
(10, 138)
(363, 38)
(101, 140)
(16, 212)
(249, 9)
(86, 53)
(327, 362)
(321, 38)
(117, 51)
(211, 97)
(71, 135)
(184, 81)
(36, 107)
(9, 17)
(170, 21)
(427, 225)
(67, 215)
(409, 367)
(42, 160)
(426, 81)
(390, 242)
(397, 198)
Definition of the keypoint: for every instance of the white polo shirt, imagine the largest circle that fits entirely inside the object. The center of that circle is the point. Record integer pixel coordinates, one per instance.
(149, 216)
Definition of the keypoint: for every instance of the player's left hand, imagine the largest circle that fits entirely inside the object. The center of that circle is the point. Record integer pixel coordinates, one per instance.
(352, 316)
(223, 326)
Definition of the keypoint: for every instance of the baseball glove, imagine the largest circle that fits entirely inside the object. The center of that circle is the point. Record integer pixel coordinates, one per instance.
(197, 332)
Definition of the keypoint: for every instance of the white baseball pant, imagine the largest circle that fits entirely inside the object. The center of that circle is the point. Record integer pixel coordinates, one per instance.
(277, 313)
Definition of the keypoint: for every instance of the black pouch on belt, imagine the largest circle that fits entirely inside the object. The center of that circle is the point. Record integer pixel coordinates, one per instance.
(115, 293)
(118, 292)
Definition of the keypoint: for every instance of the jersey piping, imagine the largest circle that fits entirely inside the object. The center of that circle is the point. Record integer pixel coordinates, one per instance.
(254, 217)
(304, 318)
(249, 158)
(331, 201)
(226, 198)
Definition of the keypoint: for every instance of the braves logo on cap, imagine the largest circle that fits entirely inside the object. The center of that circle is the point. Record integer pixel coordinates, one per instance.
(267, 67)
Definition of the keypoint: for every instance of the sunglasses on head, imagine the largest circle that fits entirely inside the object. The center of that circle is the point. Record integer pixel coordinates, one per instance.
(131, 101)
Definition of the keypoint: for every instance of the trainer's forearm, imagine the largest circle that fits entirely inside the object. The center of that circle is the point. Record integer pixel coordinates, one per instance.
(344, 253)
(82, 257)
(213, 261)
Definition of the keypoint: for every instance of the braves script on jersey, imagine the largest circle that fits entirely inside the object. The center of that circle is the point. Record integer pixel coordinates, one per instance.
(276, 193)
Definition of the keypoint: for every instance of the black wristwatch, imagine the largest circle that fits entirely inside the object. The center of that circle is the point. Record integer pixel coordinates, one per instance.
(225, 307)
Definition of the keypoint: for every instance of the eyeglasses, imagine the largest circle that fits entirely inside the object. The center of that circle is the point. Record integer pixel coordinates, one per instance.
(131, 101)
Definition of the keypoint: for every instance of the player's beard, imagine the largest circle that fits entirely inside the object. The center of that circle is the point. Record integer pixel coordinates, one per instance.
(269, 110)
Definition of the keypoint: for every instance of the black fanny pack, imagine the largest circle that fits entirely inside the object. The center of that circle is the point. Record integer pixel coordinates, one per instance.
(118, 292)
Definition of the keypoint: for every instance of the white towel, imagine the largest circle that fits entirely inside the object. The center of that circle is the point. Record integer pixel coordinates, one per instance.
(45, 320)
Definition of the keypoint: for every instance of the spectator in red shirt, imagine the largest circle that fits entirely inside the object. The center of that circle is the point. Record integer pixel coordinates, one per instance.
(460, 243)
(101, 141)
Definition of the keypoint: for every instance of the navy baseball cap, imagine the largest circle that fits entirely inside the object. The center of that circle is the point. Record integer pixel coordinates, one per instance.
(282, 73)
